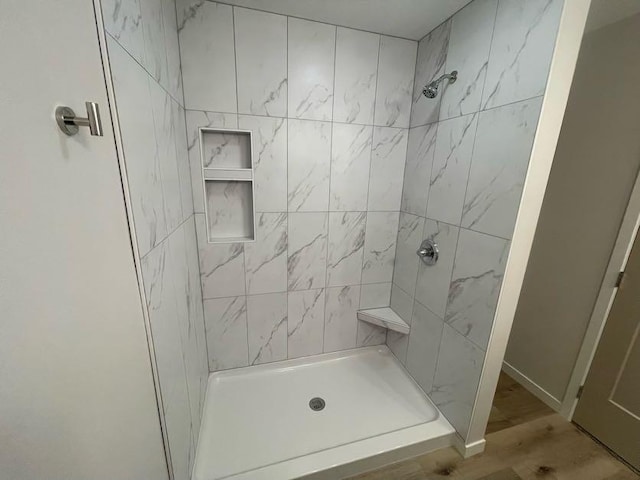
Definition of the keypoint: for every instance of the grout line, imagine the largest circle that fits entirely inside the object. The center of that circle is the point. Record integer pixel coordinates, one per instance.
(287, 190)
(244, 263)
(328, 213)
(309, 119)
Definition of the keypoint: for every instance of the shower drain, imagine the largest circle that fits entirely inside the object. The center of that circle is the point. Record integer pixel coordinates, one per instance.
(316, 404)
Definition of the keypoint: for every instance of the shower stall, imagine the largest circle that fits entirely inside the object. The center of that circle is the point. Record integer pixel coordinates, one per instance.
(321, 217)
(297, 168)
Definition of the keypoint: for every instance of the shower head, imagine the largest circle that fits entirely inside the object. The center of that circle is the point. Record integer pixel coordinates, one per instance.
(431, 90)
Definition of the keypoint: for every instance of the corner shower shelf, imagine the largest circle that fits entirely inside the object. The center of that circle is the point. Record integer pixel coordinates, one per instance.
(227, 177)
(384, 317)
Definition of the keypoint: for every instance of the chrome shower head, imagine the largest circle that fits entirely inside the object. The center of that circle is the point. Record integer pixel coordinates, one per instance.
(431, 90)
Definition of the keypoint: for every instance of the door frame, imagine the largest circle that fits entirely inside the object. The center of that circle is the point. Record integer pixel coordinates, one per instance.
(113, 113)
(604, 301)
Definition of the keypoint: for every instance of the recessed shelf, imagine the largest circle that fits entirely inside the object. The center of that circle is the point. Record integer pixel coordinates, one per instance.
(227, 177)
(229, 210)
(384, 317)
(225, 148)
(228, 174)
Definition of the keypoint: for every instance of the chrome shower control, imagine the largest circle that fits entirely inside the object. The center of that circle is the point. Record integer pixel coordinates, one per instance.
(428, 252)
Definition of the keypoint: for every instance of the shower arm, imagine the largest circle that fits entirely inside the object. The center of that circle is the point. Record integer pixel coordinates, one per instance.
(453, 76)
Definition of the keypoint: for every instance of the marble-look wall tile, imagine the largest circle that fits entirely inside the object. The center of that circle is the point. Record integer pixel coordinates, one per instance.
(387, 168)
(123, 21)
(432, 55)
(307, 252)
(402, 303)
(226, 327)
(410, 231)
(369, 335)
(340, 322)
(398, 343)
(499, 166)
(266, 258)
(355, 77)
(424, 343)
(161, 302)
(182, 158)
(469, 42)
(261, 62)
(267, 324)
(178, 267)
(195, 305)
(208, 55)
(432, 286)
(305, 323)
(521, 50)
(269, 161)
(417, 172)
(161, 104)
(350, 164)
(451, 161)
(311, 56)
(380, 247)
(375, 295)
(133, 98)
(456, 379)
(346, 242)
(195, 120)
(308, 165)
(221, 265)
(396, 69)
(154, 41)
(475, 284)
(173, 83)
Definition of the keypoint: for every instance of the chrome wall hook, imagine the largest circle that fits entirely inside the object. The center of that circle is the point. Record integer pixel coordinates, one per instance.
(69, 123)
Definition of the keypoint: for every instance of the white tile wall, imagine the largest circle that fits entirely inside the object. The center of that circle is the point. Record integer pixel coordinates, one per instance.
(466, 163)
(340, 322)
(142, 42)
(208, 56)
(329, 108)
(355, 76)
(311, 55)
(309, 165)
(261, 62)
(267, 327)
(305, 323)
(396, 69)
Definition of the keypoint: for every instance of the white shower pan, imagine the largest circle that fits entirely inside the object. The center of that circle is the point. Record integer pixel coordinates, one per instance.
(258, 424)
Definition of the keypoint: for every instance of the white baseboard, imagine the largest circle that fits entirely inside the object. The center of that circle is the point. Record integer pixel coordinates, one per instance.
(469, 449)
(532, 387)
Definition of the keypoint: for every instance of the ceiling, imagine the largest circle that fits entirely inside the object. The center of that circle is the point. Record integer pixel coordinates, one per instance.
(606, 12)
(401, 18)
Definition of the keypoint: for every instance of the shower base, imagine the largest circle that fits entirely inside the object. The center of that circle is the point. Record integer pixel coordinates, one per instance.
(324, 416)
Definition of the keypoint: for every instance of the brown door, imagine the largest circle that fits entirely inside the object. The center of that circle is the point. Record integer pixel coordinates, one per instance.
(609, 407)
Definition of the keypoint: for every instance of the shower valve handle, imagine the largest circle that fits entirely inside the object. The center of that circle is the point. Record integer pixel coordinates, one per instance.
(428, 252)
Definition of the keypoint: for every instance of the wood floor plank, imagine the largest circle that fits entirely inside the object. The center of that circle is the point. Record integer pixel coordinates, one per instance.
(528, 442)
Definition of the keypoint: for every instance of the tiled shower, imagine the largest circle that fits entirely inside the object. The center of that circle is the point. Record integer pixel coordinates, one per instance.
(352, 169)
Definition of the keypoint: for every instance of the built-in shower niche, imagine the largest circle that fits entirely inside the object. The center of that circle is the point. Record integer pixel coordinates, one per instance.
(227, 174)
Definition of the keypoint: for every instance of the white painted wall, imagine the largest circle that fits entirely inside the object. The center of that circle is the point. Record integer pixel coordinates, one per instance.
(594, 170)
(77, 397)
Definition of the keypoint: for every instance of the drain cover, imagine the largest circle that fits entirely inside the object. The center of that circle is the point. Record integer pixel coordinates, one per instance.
(316, 404)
